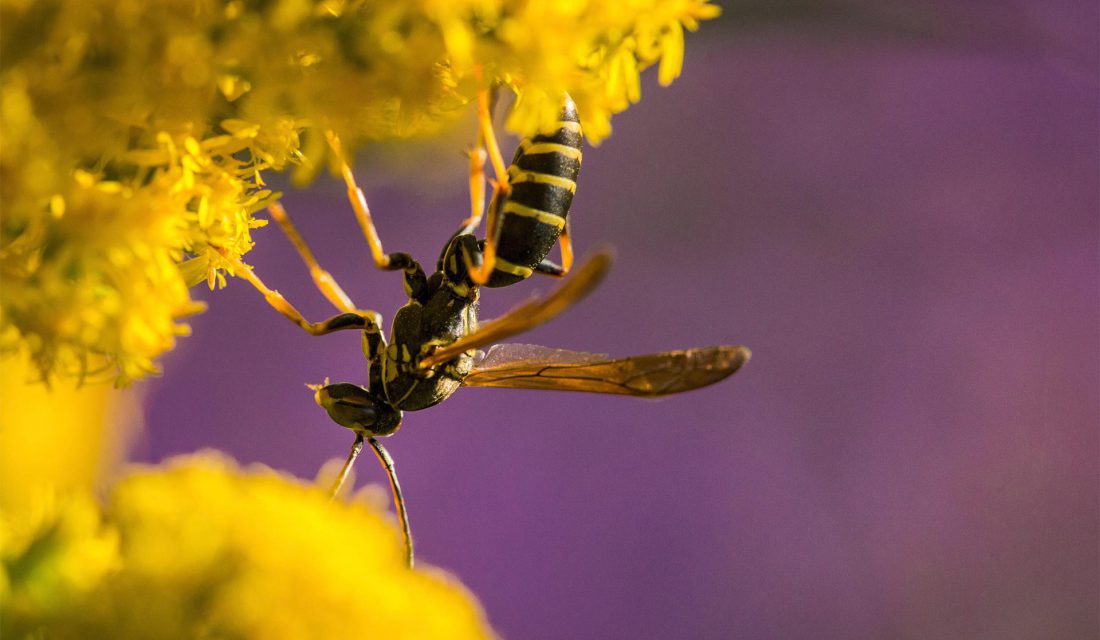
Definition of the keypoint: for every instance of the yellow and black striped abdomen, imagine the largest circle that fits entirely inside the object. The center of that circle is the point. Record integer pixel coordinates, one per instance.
(543, 179)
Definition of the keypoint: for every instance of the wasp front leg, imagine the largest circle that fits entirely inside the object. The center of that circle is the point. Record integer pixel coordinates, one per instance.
(351, 318)
(324, 281)
(360, 320)
(386, 261)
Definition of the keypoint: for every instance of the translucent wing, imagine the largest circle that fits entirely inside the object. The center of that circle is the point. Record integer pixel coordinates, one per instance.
(530, 314)
(652, 375)
(500, 355)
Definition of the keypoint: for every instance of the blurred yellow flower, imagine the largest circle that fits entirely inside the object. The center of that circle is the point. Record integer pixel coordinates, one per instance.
(137, 134)
(59, 440)
(57, 447)
(200, 548)
(193, 548)
(55, 558)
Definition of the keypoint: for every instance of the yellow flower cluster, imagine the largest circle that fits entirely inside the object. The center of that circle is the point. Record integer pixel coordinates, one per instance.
(136, 135)
(194, 548)
(199, 548)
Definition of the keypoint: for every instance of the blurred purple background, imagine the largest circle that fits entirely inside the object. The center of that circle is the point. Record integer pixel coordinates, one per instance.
(896, 210)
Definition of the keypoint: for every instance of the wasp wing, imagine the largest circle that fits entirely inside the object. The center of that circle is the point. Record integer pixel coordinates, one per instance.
(652, 375)
(503, 355)
(530, 314)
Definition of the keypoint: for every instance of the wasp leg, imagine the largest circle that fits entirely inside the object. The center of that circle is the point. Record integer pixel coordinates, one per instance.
(565, 241)
(477, 189)
(485, 129)
(480, 275)
(322, 278)
(398, 499)
(385, 261)
(559, 271)
(368, 321)
(548, 268)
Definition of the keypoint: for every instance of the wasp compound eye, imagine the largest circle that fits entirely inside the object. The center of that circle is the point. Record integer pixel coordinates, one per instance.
(348, 405)
(352, 406)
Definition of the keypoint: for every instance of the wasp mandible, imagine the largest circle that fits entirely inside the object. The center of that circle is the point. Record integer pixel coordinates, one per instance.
(434, 342)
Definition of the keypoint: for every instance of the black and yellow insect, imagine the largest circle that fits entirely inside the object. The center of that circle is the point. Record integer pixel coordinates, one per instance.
(433, 347)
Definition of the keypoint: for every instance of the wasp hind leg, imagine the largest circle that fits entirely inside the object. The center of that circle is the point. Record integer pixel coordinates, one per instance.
(478, 158)
(546, 267)
(487, 139)
(485, 99)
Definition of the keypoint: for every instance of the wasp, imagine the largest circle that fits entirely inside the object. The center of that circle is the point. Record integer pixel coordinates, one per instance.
(435, 341)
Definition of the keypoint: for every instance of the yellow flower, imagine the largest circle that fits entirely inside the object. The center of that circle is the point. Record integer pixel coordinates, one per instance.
(234, 553)
(57, 446)
(59, 440)
(137, 135)
(193, 548)
(199, 548)
(55, 557)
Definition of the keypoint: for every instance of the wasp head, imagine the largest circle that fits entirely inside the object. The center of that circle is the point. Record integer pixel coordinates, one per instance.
(352, 406)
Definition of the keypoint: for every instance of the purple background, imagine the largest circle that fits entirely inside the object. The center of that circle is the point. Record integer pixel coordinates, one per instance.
(899, 220)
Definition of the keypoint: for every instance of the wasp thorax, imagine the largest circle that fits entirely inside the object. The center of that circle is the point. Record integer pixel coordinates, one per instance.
(352, 406)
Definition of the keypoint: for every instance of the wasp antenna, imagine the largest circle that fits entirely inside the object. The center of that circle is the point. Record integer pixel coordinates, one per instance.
(398, 499)
(356, 447)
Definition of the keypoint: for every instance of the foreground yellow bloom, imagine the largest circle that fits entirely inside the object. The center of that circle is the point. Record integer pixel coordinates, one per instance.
(203, 549)
(137, 135)
(194, 548)
(57, 440)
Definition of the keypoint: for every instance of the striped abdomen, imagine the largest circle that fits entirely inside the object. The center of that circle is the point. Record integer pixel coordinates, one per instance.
(543, 178)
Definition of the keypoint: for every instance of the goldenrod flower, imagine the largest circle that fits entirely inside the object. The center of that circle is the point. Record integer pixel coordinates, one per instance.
(193, 548)
(57, 446)
(137, 134)
(200, 548)
(55, 558)
(58, 440)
